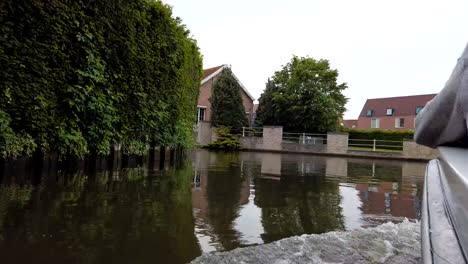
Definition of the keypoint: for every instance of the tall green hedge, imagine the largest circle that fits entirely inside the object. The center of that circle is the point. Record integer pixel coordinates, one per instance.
(79, 75)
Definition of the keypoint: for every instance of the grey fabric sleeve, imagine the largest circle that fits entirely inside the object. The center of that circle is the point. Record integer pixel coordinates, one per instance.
(444, 120)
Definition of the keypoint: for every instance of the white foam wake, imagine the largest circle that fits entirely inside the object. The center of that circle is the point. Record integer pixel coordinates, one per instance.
(387, 243)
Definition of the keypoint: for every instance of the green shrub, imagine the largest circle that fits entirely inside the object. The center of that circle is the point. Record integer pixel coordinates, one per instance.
(133, 147)
(225, 141)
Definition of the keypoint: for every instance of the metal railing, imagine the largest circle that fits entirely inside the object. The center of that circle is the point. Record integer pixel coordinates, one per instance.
(375, 144)
(252, 132)
(305, 138)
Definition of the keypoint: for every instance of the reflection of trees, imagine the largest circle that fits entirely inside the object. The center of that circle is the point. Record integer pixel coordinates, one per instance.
(83, 218)
(223, 194)
(291, 207)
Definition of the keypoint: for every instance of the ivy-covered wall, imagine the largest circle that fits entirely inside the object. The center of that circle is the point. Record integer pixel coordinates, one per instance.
(77, 76)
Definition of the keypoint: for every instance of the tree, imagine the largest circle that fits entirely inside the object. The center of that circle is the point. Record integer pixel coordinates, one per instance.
(226, 102)
(303, 96)
(265, 111)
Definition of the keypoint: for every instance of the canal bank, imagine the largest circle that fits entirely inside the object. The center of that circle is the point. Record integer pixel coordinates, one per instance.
(273, 139)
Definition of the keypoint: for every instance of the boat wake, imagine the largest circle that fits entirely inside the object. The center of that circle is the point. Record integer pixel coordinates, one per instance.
(387, 243)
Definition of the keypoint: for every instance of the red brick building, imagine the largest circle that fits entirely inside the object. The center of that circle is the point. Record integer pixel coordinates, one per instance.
(206, 89)
(392, 113)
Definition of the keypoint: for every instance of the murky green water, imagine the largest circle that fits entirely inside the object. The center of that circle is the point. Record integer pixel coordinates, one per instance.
(210, 201)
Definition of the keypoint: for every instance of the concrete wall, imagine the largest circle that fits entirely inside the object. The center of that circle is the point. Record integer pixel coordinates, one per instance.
(337, 143)
(272, 138)
(204, 133)
(295, 147)
(251, 142)
(413, 150)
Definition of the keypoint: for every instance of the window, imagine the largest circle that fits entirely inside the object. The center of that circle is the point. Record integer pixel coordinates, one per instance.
(375, 123)
(201, 113)
(418, 109)
(399, 122)
(389, 111)
(369, 112)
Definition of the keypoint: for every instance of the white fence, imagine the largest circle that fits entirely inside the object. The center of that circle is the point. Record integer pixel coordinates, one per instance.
(305, 138)
(375, 144)
(252, 132)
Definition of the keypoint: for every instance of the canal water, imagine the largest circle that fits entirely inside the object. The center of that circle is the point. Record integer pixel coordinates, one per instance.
(150, 212)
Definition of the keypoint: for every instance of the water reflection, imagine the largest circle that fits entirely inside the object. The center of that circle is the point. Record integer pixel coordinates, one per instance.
(253, 198)
(146, 211)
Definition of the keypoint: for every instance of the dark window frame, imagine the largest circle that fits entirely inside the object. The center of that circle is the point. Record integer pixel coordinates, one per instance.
(371, 112)
(200, 117)
(386, 111)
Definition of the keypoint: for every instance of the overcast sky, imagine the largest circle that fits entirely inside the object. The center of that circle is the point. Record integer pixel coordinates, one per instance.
(380, 48)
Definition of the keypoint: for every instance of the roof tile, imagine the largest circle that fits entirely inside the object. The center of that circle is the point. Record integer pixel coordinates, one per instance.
(403, 105)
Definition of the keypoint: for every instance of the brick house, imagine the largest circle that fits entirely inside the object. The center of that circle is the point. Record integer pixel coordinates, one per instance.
(392, 113)
(204, 105)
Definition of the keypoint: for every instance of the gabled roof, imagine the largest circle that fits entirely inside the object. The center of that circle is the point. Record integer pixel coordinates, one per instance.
(210, 73)
(403, 105)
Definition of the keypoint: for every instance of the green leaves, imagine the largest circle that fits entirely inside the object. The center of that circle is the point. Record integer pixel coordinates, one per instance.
(303, 96)
(78, 76)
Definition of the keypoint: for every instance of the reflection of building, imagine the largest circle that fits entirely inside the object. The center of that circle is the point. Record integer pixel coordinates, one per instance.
(386, 198)
(271, 164)
(388, 187)
(295, 194)
(216, 198)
